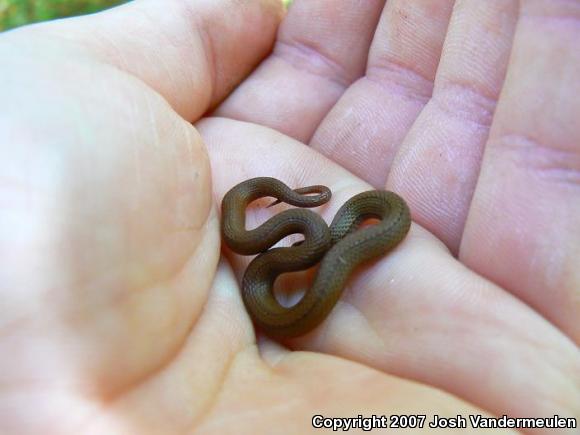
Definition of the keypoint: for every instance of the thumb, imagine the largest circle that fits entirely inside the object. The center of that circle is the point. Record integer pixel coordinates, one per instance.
(192, 52)
(112, 190)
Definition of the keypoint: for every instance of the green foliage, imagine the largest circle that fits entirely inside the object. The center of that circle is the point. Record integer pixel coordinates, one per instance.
(15, 13)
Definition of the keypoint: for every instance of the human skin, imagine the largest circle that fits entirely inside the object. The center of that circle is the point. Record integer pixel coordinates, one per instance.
(120, 134)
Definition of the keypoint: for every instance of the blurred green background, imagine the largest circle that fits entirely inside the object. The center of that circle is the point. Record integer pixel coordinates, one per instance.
(14, 13)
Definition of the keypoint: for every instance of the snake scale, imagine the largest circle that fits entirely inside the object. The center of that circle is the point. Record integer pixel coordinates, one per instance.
(339, 248)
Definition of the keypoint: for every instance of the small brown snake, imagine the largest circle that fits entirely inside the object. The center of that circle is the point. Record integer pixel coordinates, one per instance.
(342, 247)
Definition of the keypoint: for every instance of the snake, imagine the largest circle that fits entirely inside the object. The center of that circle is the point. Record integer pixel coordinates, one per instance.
(339, 248)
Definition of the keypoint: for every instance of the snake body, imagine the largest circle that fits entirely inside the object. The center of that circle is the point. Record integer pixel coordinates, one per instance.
(342, 247)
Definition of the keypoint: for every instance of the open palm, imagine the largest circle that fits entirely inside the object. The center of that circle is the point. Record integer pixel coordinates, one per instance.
(118, 315)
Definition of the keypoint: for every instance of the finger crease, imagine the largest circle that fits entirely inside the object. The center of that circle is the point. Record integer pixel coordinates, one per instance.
(401, 79)
(466, 103)
(560, 164)
(306, 57)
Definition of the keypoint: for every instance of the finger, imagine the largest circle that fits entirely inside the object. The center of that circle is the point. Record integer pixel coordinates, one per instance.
(364, 129)
(321, 49)
(418, 313)
(192, 52)
(437, 166)
(522, 230)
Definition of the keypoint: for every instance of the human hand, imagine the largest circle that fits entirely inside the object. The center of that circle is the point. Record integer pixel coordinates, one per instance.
(117, 316)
